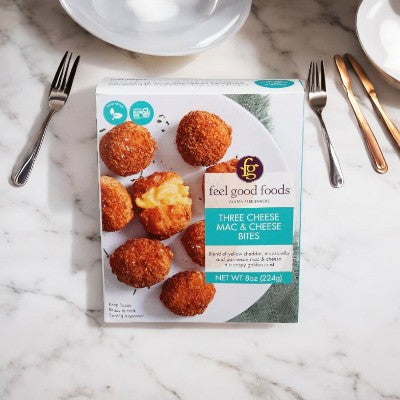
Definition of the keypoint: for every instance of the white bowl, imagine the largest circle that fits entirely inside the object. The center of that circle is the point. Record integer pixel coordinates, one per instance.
(378, 29)
(160, 27)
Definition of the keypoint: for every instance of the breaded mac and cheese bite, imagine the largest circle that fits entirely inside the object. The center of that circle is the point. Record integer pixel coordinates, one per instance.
(203, 138)
(187, 293)
(141, 262)
(193, 241)
(127, 148)
(116, 205)
(166, 207)
(225, 167)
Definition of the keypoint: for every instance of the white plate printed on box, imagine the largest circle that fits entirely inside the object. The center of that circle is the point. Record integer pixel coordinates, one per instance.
(160, 27)
(378, 29)
(249, 136)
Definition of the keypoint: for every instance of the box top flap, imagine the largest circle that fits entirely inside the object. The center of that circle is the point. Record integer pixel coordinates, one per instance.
(199, 86)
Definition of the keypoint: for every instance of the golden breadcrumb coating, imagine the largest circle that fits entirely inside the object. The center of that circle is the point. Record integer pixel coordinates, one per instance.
(141, 262)
(127, 148)
(187, 293)
(224, 167)
(165, 221)
(166, 207)
(203, 138)
(116, 205)
(193, 241)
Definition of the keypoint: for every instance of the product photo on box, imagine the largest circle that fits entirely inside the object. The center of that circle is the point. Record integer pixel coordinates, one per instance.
(217, 198)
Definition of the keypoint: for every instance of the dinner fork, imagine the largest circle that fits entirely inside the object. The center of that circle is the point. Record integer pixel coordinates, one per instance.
(58, 95)
(317, 98)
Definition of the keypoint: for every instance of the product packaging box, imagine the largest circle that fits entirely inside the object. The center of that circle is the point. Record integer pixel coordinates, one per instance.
(200, 186)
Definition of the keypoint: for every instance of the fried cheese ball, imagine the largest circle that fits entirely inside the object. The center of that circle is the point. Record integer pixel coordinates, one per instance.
(193, 241)
(222, 168)
(141, 262)
(166, 207)
(203, 138)
(187, 293)
(127, 148)
(116, 205)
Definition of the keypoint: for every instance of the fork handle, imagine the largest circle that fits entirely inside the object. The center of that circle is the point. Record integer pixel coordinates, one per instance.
(24, 166)
(335, 171)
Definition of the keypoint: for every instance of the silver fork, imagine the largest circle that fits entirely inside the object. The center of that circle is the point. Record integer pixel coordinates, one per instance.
(58, 95)
(317, 99)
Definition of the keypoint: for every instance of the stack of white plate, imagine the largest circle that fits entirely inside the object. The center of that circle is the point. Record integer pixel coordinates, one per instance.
(378, 28)
(160, 27)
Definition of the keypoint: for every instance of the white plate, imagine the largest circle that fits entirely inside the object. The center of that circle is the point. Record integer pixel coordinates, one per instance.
(160, 27)
(378, 28)
(249, 137)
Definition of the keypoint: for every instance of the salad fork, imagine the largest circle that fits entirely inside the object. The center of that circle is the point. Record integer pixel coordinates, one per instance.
(58, 95)
(317, 98)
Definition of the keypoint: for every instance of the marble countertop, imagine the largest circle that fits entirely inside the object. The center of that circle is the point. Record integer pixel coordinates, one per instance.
(54, 344)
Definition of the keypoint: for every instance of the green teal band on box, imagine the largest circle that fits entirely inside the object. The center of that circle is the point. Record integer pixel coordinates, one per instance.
(250, 230)
(254, 278)
(274, 83)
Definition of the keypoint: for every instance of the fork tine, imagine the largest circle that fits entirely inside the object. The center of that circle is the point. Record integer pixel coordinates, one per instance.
(313, 77)
(308, 84)
(323, 83)
(317, 77)
(58, 72)
(64, 80)
(72, 75)
(59, 80)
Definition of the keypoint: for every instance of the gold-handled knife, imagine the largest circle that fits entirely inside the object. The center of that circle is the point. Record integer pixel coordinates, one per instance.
(377, 158)
(370, 89)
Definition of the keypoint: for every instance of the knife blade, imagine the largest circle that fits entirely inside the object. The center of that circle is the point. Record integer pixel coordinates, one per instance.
(377, 158)
(370, 89)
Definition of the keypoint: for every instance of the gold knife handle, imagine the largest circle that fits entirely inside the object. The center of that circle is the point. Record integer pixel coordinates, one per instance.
(378, 160)
(391, 127)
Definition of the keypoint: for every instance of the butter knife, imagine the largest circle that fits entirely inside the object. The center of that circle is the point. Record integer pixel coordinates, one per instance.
(377, 158)
(370, 89)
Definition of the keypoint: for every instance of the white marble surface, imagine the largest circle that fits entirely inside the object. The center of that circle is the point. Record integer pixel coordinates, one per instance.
(53, 343)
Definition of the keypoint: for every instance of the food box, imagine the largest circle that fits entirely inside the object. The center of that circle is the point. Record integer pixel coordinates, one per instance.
(200, 185)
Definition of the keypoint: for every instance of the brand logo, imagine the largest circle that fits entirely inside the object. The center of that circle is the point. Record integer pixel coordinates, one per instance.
(249, 168)
(115, 112)
(141, 112)
(274, 83)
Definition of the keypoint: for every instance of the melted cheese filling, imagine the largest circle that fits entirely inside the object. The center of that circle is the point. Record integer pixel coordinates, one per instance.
(170, 192)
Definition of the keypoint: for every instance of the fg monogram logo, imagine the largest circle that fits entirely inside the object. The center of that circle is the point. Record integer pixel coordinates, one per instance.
(249, 168)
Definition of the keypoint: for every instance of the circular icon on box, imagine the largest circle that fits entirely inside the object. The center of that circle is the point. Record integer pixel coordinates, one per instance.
(141, 112)
(249, 168)
(115, 112)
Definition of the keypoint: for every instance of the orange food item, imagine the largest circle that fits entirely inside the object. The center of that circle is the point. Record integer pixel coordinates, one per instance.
(224, 167)
(141, 262)
(116, 205)
(166, 207)
(187, 293)
(203, 138)
(193, 241)
(127, 148)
